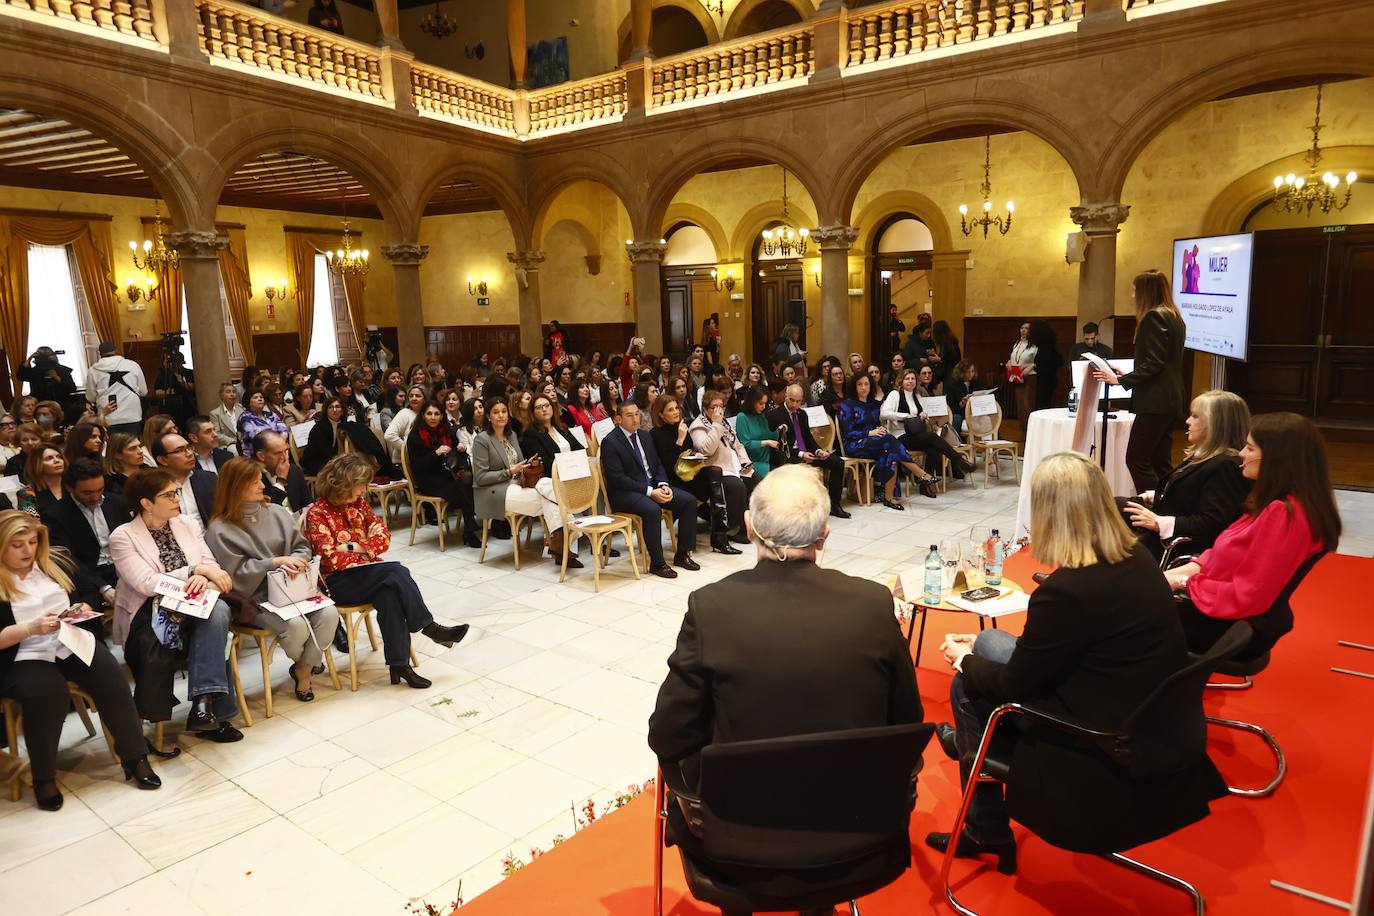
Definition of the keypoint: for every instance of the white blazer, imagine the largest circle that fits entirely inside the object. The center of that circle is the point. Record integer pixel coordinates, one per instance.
(139, 566)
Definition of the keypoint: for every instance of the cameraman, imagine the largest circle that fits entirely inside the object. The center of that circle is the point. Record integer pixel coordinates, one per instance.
(49, 380)
(378, 356)
(175, 388)
(115, 385)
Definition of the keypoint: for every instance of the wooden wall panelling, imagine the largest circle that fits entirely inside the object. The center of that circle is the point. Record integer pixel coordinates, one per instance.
(454, 345)
(277, 350)
(609, 337)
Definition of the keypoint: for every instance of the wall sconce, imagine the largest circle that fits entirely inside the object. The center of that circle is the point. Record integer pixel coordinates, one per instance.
(477, 289)
(275, 291)
(728, 283)
(816, 274)
(135, 292)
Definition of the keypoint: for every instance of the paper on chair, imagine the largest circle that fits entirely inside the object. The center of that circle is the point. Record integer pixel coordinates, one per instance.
(982, 405)
(81, 642)
(602, 427)
(572, 465)
(934, 407)
(817, 416)
(300, 433)
(592, 520)
(579, 434)
(11, 485)
(174, 598)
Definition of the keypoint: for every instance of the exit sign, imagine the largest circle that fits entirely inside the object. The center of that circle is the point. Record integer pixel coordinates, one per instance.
(484, 300)
(1330, 229)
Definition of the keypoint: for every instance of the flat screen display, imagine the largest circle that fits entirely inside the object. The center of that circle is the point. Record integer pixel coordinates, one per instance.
(1211, 285)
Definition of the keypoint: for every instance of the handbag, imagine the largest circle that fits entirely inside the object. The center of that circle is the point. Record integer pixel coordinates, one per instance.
(284, 590)
(530, 474)
(687, 468)
(914, 425)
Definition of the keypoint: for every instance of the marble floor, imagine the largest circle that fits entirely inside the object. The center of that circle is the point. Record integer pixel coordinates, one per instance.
(360, 803)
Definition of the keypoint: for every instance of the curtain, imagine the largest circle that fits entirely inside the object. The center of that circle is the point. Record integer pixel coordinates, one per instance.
(90, 241)
(301, 249)
(167, 295)
(355, 289)
(233, 271)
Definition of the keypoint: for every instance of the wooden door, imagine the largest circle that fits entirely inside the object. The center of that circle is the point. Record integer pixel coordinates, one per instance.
(677, 314)
(1345, 385)
(771, 293)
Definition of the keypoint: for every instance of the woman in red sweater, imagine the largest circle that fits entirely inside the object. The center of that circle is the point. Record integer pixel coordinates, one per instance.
(1289, 516)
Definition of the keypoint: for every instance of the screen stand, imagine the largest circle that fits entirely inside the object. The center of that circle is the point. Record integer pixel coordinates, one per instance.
(1218, 373)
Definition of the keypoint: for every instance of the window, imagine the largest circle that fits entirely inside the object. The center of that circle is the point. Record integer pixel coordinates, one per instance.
(185, 331)
(324, 347)
(53, 319)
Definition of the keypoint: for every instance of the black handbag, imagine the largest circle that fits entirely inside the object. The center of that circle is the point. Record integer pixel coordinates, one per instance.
(914, 425)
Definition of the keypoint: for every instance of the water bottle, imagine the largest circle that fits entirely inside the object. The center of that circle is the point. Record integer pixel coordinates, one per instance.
(934, 576)
(1073, 402)
(994, 573)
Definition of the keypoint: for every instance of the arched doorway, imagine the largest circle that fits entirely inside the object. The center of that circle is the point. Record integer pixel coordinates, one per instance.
(900, 265)
(690, 293)
(763, 16)
(778, 287)
(673, 31)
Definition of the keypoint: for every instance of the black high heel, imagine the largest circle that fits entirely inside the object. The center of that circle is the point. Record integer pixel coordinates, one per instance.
(141, 773)
(406, 673)
(444, 635)
(722, 545)
(969, 848)
(927, 487)
(48, 801)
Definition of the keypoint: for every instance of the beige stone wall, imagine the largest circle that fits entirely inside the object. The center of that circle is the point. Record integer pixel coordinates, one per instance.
(585, 218)
(483, 23)
(462, 245)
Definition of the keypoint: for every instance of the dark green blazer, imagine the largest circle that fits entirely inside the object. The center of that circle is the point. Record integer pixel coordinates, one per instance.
(1156, 384)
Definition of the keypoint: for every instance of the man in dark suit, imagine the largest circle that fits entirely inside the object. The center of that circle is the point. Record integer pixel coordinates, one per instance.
(204, 441)
(81, 521)
(174, 454)
(785, 648)
(802, 445)
(636, 482)
(284, 482)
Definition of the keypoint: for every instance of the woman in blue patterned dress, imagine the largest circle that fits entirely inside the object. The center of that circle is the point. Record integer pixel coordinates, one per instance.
(866, 436)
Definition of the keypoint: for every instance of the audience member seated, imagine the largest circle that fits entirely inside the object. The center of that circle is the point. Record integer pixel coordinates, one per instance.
(81, 523)
(866, 437)
(802, 448)
(714, 437)
(9, 437)
(326, 436)
(547, 437)
(284, 482)
(672, 440)
(438, 468)
(201, 436)
(756, 433)
(350, 540)
(257, 418)
(29, 437)
(583, 409)
(472, 416)
(36, 593)
(1203, 495)
(302, 406)
(636, 482)
(767, 652)
(195, 488)
(451, 400)
(44, 472)
(251, 537)
(84, 440)
(226, 416)
(497, 468)
(958, 389)
(1100, 635)
(401, 423)
(833, 394)
(1290, 515)
(49, 416)
(161, 541)
(123, 456)
(686, 399)
(902, 413)
(1090, 344)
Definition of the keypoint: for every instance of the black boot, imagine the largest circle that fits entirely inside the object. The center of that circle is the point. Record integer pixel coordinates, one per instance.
(721, 544)
(141, 773)
(444, 636)
(341, 638)
(200, 718)
(970, 848)
(406, 673)
(48, 796)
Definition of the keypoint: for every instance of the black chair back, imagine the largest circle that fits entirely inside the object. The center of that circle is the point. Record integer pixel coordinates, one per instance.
(807, 801)
(1167, 733)
(1275, 622)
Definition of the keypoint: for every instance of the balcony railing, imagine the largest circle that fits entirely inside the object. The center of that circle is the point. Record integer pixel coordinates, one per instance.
(871, 37)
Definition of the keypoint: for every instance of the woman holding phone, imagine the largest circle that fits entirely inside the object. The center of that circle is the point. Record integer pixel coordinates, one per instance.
(497, 468)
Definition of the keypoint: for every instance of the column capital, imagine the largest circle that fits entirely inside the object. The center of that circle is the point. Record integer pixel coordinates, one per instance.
(407, 255)
(834, 238)
(526, 260)
(1103, 218)
(646, 252)
(196, 245)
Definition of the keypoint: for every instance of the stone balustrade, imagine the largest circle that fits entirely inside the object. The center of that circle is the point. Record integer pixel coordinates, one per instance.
(445, 94)
(768, 59)
(133, 18)
(247, 37)
(577, 103)
(899, 30)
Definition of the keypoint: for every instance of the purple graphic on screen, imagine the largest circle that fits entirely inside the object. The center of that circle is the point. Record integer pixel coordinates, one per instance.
(1192, 270)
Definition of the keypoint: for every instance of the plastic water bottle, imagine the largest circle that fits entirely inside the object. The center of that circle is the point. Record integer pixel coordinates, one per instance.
(934, 575)
(1073, 402)
(994, 574)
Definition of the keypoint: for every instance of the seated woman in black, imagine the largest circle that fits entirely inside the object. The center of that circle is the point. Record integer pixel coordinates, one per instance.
(544, 438)
(1204, 494)
(326, 436)
(438, 468)
(1101, 634)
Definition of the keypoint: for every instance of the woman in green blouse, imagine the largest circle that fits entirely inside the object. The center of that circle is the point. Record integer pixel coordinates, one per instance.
(757, 437)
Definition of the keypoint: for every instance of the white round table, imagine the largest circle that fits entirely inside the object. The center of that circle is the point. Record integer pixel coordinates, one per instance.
(1051, 431)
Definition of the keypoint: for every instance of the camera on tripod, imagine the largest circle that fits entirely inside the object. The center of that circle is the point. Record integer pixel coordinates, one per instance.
(172, 342)
(374, 342)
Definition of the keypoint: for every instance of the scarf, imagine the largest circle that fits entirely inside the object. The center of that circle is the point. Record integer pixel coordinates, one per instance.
(434, 437)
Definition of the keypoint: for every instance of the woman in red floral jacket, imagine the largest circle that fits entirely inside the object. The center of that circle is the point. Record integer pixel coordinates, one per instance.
(350, 540)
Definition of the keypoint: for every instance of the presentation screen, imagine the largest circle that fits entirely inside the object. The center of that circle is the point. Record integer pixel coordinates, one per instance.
(1211, 285)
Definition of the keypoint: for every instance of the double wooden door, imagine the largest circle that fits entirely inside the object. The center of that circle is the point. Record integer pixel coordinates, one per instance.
(1311, 325)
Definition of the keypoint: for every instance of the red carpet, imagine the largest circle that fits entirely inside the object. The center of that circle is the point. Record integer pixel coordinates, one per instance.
(1307, 834)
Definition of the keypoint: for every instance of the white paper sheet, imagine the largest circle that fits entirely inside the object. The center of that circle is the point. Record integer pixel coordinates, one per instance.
(298, 608)
(817, 416)
(982, 405)
(579, 434)
(81, 642)
(11, 485)
(602, 427)
(300, 433)
(913, 583)
(1011, 603)
(173, 592)
(592, 520)
(934, 407)
(572, 465)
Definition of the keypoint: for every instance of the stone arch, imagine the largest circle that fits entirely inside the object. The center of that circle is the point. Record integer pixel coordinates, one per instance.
(488, 180)
(872, 217)
(697, 216)
(1257, 65)
(739, 16)
(697, 11)
(145, 146)
(355, 154)
(756, 219)
(1022, 109)
(580, 229)
(590, 166)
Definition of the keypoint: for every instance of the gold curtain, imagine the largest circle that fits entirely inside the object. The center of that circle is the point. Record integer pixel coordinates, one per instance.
(356, 288)
(14, 297)
(301, 250)
(233, 271)
(167, 295)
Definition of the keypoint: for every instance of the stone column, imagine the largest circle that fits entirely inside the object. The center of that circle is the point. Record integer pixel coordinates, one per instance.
(1104, 13)
(1097, 274)
(199, 257)
(646, 258)
(389, 19)
(178, 26)
(834, 242)
(527, 265)
(830, 41)
(410, 318)
(641, 25)
(515, 36)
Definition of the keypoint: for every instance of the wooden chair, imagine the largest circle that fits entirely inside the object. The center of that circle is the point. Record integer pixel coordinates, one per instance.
(386, 492)
(516, 521)
(983, 440)
(419, 500)
(353, 617)
(637, 523)
(13, 715)
(296, 459)
(267, 645)
(861, 469)
(581, 495)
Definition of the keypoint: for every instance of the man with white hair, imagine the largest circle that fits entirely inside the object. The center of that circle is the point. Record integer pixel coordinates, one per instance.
(785, 648)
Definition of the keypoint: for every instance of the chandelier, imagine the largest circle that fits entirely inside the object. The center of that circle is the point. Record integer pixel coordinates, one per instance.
(345, 260)
(783, 240)
(438, 24)
(987, 220)
(156, 255)
(1294, 194)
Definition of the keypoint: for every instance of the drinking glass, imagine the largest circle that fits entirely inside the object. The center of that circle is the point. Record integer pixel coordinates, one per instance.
(949, 561)
(975, 562)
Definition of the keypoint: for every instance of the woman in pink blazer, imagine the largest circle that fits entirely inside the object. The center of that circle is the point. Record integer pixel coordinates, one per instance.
(160, 542)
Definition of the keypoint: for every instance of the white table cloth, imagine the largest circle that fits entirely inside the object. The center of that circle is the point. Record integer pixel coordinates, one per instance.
(1051, 431)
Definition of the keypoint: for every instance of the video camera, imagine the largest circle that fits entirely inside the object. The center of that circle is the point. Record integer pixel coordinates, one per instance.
(172, 342)
(374, 342)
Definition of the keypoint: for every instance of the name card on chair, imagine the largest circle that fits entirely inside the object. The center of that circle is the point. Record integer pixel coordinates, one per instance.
(579, 434)
(11, 485)
(572, 465)
(934, 407)
(300, 433)
(816, 416)
(982, 405)
(602, 427)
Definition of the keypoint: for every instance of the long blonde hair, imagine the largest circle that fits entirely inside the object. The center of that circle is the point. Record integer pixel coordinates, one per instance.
(52, 560)
(1074, 519)
(1226, 422)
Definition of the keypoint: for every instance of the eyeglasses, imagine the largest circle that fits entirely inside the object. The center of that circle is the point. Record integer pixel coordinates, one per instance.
(184, 450)
(171, 494)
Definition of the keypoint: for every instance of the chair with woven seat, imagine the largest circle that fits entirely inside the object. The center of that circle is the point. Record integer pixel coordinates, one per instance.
(516, 521)
(13, 716)
(354, 616)
(267, 646)
(861, 469)
(419, 500)
(983, 440)
(582, 495)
